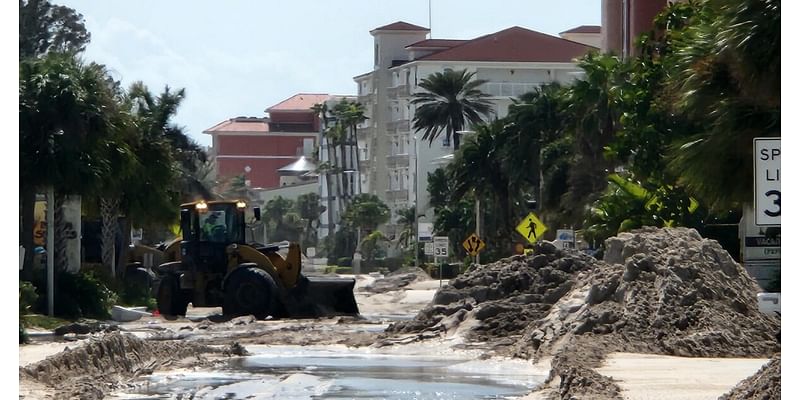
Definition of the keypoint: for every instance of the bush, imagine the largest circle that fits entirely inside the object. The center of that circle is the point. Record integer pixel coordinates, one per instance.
(79, 295)
(332, 269)
(27, 297)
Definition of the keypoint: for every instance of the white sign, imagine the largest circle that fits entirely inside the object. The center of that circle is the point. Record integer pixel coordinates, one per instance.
(429, 248)
(566, 238)
(311, 252)
(440, 246)
(425, 231)
(767, 176)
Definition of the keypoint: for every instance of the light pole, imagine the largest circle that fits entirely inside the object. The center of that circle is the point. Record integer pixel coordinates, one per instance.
(416, 204)
(477, 208)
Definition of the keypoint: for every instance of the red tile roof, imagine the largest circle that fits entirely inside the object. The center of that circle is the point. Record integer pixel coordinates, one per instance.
(400, 26)
(514, 44)
(240, 124)
(299, 102)
(437, 43)
(584, 29)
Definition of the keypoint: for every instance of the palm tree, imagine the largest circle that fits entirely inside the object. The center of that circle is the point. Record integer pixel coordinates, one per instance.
(406, 218)
(450, 100)
(593, 120)
(65, 110)
(309, 210)
(727, 80)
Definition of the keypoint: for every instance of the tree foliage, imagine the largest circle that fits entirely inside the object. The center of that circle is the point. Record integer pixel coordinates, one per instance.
(451, 100)
(46, 27)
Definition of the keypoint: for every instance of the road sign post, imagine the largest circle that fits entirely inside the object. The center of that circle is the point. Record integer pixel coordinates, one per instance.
(767, 177)
(440, 246)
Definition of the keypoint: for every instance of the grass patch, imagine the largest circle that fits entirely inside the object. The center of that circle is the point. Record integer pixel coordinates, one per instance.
(42, 321)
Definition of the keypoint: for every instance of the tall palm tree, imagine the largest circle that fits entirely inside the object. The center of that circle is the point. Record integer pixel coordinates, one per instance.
(451, 100)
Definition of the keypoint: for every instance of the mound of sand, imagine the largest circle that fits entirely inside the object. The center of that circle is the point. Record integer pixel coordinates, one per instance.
(397, 280)
(92, 369)
(666, 291)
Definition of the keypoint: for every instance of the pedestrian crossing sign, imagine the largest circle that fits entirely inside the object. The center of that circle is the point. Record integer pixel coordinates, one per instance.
(473, 245)
(531, 228)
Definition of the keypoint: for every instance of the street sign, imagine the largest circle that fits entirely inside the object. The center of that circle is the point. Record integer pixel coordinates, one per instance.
(531, 228)
(429, 248)
(767, 176)
(473, 245)
(440, 246)
(425, 231)
(566, 238)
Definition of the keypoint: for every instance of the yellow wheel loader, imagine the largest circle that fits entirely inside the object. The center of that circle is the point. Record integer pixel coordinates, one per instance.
(213, 266)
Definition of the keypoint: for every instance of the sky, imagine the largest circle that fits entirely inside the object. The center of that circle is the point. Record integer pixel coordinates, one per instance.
(236, 58)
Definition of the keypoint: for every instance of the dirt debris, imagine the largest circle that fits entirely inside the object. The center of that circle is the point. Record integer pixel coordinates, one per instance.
(96, 367)
(397, 280)
(763, 385)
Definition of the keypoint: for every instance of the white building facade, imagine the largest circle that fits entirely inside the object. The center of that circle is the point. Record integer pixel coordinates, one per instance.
(513, 61)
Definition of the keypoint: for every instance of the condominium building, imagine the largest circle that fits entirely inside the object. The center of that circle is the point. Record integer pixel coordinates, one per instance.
(512, 61)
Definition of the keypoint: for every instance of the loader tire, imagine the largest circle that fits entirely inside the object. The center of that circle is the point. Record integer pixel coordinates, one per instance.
(172, 301)
(250, 291)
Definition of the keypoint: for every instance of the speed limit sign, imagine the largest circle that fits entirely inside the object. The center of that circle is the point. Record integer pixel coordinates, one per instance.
(767, 176)
(440, 245)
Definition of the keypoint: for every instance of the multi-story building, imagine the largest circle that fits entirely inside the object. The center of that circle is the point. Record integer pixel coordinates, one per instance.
(624, 20)
(513, 61)
(258, 147)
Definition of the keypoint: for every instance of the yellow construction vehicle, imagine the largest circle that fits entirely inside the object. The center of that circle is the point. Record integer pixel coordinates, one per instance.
(213, 266)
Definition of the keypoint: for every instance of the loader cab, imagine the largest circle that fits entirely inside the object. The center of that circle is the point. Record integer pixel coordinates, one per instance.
(207, 229)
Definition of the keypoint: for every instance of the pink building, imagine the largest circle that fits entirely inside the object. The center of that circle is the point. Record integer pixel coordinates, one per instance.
(624, 20)
(258, 147)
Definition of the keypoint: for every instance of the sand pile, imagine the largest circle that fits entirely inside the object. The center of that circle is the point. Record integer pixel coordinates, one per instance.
(665, 291)
(397, 280)
(763, 385)
(500, 300)
(90, 370)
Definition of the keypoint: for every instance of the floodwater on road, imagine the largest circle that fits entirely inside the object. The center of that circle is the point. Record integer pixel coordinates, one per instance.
(333, 372)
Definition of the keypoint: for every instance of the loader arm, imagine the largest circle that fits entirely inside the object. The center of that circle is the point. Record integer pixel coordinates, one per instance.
(287, 271)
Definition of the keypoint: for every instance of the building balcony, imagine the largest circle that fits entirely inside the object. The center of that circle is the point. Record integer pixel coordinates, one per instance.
(397, 195)
(397, 160)
(397, 91)
(366, 98)
(401, 125)
(291, 127)
(508, 89)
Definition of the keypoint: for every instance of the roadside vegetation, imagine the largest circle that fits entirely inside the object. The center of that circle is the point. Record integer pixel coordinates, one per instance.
(662, 138)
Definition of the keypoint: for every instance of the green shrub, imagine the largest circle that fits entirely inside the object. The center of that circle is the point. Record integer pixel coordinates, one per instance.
(27, 297)
(333, 269)
(23, 336)
(79, 295)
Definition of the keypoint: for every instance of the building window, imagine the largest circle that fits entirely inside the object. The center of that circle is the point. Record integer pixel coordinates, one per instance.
(376, 54)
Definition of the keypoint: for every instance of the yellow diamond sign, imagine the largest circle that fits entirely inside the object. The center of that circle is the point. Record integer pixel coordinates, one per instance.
(531, 228)
(473, 245)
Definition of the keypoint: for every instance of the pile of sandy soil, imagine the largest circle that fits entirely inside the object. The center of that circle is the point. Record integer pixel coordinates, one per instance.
(663, 291)
(763, 385)
(501, 299)
(396, 280)
(96, 367)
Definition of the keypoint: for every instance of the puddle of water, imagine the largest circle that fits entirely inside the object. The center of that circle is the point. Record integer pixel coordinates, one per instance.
(292, 372)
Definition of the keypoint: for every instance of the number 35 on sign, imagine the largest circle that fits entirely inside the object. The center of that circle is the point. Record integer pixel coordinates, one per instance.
(767, 176)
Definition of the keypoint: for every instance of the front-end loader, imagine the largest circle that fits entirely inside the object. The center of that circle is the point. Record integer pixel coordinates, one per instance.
(213, 266)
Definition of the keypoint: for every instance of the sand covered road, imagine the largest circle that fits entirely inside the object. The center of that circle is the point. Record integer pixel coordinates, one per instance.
(604, 330)
(659, 377)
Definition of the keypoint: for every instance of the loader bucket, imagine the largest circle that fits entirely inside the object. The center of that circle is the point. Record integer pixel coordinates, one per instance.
(322, 297)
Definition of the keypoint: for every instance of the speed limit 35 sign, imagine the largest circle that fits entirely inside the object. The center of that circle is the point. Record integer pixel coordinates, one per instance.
(767, 176)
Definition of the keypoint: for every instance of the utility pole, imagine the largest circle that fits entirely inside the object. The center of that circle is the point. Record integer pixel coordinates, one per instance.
(51, 227)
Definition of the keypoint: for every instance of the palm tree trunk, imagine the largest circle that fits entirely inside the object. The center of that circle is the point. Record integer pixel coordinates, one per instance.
(60, 247)
(456, 139)
(28, 200)
(123, 251)
(329, 184)
(109, 209)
